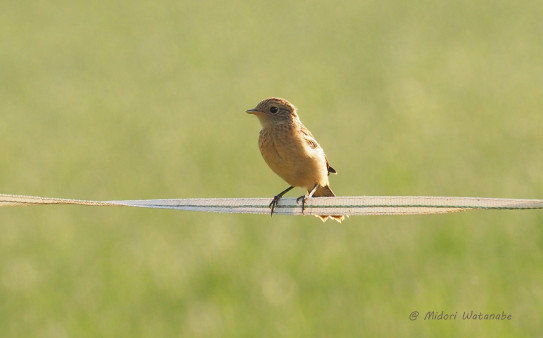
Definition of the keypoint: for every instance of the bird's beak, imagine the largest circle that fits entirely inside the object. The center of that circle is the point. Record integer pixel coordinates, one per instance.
(251, 111)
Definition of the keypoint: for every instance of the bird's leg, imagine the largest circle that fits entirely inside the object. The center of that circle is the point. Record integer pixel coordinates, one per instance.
(304, 197)
(276, 199)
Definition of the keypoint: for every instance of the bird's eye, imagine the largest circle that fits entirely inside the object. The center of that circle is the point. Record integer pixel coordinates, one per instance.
(274, 110)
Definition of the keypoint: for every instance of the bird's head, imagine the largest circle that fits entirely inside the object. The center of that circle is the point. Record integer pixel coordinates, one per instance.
(274, 111)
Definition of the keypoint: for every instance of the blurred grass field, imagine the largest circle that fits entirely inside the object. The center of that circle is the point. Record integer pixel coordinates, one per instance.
(147, 99)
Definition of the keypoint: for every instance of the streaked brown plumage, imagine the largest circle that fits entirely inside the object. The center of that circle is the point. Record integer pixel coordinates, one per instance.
(291, 151)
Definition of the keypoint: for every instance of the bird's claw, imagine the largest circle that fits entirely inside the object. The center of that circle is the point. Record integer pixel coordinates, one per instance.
(302, 198)
(274, 203)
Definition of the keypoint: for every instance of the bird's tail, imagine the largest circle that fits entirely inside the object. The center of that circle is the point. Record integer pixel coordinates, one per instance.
(327, 192)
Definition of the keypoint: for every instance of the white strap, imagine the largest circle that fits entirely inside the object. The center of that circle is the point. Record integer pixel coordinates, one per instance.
(340, 205)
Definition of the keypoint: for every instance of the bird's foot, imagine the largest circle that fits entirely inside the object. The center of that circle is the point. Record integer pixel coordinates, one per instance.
(274, 203)
(276, 199)
(302, 198)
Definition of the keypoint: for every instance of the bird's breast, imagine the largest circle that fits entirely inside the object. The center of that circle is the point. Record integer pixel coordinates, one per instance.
(290, 157)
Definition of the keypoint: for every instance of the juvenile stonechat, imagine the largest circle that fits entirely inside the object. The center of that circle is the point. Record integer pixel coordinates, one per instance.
(292, 152)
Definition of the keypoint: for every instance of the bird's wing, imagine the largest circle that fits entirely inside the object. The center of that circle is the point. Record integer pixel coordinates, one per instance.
(311, 142)
(330, 169)
(308, 137)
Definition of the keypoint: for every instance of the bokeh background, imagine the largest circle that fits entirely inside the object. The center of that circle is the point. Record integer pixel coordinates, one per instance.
(146, 99)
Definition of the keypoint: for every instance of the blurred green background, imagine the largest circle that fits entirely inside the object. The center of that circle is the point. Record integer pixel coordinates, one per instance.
(147, 99)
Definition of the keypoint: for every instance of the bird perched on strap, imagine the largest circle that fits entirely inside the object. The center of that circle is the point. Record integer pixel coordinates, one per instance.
(292, 152)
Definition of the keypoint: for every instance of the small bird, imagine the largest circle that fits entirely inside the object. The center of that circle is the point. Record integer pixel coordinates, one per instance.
(292, 152)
